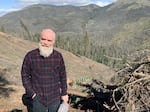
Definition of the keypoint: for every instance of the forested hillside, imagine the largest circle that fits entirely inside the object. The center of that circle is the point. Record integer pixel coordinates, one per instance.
(105, 34)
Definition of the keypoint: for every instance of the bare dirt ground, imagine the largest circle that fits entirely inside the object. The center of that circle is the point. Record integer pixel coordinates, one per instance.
(14, 100)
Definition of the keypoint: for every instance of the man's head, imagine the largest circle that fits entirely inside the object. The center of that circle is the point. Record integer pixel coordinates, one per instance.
(46, 43)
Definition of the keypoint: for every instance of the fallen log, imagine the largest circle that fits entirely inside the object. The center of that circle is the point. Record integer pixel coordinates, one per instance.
(77, 93)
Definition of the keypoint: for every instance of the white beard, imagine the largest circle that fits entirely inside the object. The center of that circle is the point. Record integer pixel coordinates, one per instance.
(45, 51)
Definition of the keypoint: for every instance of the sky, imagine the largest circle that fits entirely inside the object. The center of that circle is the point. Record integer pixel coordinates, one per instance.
(15, 5)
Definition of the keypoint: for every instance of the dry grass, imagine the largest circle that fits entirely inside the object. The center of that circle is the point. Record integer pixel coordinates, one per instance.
(13, 101)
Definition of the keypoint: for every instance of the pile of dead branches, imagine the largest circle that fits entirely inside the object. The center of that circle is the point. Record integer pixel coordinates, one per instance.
(135, 87)
(96, 97)
(130, 93)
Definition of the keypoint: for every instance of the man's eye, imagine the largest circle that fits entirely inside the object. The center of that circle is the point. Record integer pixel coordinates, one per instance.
(43, 39)
(46, 39)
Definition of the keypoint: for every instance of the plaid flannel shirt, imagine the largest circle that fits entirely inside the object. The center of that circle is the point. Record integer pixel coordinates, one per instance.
(44, 76)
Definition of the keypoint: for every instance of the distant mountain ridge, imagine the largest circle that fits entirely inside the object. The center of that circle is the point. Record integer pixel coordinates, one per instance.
(121, 27)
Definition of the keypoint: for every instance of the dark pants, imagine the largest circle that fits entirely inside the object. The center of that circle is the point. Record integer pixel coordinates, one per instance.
(38, 107)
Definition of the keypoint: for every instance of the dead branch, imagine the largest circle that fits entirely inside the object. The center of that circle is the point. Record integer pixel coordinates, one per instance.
(77, 93)
(145, 78)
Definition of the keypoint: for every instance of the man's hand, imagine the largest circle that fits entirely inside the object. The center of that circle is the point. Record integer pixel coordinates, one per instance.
(65, 99)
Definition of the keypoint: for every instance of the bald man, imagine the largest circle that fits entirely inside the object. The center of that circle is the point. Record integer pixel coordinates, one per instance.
(44, 76)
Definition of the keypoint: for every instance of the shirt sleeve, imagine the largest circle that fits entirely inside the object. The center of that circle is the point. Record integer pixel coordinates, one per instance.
(63, 77)
(26, 75)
